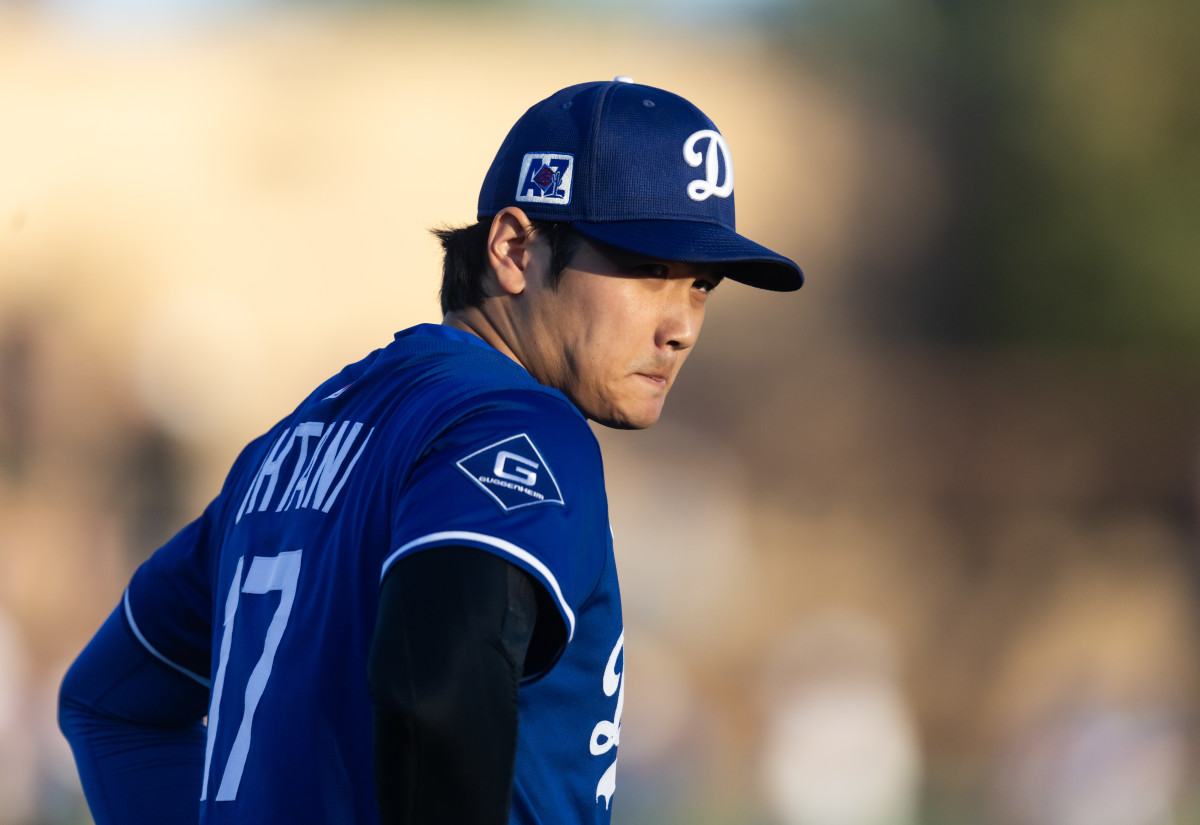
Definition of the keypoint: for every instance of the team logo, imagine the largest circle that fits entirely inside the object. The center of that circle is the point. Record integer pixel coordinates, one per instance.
(701, 190)
(546, 178)
(513, 473)
(607, 734)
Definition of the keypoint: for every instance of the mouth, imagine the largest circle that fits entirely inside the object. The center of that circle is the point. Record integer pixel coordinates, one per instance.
(657, 379)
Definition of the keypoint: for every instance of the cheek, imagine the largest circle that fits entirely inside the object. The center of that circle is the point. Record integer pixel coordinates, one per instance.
(610, 335)
(601, 361)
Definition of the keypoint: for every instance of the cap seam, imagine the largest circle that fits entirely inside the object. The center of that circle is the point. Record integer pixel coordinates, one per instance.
(593, 149)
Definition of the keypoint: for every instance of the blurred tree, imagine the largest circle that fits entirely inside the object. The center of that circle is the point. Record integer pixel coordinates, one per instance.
(1070, 131)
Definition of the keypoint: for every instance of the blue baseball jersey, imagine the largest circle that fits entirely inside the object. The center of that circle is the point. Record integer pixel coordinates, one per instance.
(270, 597)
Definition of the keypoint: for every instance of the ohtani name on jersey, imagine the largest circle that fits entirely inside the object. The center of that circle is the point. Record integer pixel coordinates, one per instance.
(315, 481)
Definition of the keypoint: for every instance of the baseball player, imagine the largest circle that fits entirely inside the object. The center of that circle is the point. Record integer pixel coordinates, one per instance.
(402, 606)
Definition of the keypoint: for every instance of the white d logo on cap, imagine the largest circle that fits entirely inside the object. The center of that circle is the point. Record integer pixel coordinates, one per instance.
(700, 190)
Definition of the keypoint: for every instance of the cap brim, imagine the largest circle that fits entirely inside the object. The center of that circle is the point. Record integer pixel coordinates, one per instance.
(696, 242)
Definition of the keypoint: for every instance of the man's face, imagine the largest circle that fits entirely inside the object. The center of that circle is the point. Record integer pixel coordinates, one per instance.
(614, 333)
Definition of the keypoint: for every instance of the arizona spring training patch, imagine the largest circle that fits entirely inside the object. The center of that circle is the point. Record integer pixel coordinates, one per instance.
(546, 178)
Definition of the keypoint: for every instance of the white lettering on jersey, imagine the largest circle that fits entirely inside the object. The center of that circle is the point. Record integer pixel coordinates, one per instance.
(311, 478)
(607, 735)
(505, 469)
(268, 472)
(330, 461)
(303, 432)
(701, 190)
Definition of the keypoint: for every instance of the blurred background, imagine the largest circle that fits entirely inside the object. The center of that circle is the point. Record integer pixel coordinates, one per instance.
(916, 545)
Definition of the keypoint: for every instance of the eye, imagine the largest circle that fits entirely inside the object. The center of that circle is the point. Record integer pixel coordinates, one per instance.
(706, 285)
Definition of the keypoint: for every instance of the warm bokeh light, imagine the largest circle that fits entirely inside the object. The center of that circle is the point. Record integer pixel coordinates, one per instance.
(914, 545)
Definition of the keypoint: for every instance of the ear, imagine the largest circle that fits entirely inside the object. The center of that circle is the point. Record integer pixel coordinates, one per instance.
(508, 249)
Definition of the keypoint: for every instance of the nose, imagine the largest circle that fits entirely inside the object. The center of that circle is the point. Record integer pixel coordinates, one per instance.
(679, 323)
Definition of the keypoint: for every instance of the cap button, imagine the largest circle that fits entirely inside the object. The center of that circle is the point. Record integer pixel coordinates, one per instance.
(622, 78)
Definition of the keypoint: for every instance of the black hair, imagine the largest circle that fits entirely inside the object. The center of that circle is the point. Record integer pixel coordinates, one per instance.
(465, 259)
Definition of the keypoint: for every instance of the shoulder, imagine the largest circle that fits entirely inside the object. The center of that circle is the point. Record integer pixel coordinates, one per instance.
(447, 366)
(520, 447)
(469, 383)
(510, 436)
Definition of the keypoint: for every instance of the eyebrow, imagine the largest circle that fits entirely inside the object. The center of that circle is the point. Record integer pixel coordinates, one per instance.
(625, 258)
(629, 258)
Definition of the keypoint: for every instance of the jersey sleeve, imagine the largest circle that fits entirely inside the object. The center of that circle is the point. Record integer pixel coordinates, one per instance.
(169, 601)
(520, 477)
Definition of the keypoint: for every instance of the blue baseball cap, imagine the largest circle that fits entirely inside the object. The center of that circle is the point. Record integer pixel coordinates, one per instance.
(634, 167)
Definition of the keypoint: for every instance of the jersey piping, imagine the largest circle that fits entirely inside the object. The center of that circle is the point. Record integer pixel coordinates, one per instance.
(146, 644)
(499, 544)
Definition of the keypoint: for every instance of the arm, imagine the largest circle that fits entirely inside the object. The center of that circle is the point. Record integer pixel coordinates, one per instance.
(451, 644)
(134, 725)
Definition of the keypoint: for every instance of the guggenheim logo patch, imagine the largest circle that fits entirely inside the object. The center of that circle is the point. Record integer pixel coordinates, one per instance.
(513, 473)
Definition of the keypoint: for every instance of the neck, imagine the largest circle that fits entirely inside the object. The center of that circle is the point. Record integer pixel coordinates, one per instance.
(476, 322)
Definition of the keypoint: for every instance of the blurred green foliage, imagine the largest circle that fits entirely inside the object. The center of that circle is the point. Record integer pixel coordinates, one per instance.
(1070, 130)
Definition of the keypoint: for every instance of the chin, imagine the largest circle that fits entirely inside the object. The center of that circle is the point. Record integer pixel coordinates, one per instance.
(626, 411)
(622, 424)
(628, 420)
